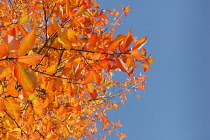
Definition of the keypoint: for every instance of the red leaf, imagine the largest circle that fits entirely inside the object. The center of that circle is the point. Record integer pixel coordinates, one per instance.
(94, 94)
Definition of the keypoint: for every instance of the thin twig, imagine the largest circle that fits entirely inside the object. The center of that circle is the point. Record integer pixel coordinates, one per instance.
(16, 123)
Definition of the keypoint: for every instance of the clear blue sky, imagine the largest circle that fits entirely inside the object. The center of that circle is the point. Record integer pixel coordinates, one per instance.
(176, 105)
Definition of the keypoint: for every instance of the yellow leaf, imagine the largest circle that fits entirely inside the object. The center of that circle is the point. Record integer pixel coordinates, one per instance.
(24, 18)
(27, 43)
(150, 60)
(79, 11)
(90, 87)
(25, 77)
(12, 107)
(69, 33)
(52, 69)
(65, 42)
(145, 66)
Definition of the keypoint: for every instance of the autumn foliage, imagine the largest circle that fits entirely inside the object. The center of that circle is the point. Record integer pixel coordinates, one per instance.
(57, 64)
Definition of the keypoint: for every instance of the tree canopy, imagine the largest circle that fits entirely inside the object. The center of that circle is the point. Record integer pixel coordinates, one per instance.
(57, 64)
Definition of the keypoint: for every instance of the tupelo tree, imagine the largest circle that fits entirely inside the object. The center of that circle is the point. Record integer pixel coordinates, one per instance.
(57, 59)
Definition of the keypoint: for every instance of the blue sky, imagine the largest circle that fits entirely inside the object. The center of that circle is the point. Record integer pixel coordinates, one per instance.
(176, 104)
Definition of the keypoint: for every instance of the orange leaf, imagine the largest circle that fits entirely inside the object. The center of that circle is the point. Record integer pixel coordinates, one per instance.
(4, 72)
(39, 111)
(121, 65)
(127, 41)
(12, 107)
(93, 76)
(4, 49)
(25, 77)
(79, 11)
(61, 110)
(104, 64)
(30, 59)
(27, 43)
(56, 26)
(127, 9)
(93, 39)
(139, 43)
(22, 30)
(139, 55)
(116, 42)
(145, 66)
(10, 88)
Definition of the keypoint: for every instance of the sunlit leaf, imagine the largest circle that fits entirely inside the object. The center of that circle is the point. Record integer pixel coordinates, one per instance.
(30, 59)
(127, 41)
(12, 107)
(69, 33)
(27, 43)
(24, 18)
(79, 11)
(139, 43)
(150, 60)
(116, 42)
(139, 55)
(22, 30)
(93, 76)
(25, 77)
(145, 66)
(3, 49)
(93, 39)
